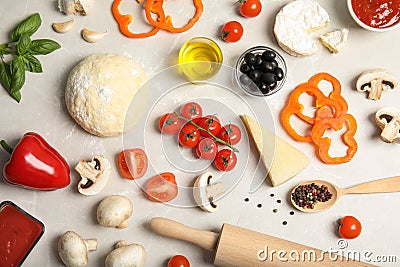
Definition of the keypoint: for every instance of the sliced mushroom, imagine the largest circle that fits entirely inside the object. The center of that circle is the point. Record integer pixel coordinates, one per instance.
(375, 82)
(205, 191)
(73, 249)
(94, 175)
(92, 36)
(114, 211)
(388, 119)
(77, 7)
(124, 255)
(63, 27)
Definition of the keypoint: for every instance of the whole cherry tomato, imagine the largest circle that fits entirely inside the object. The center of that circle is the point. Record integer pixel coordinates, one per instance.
(169, 123)
(210, 123)
(232, 31)
(225, 160)
(349, 227)
(132, 163)
(178, 261)
(162, 187)
(206, 149)
(191, 110)
(250, 8)
(230, 133)
(189, 135)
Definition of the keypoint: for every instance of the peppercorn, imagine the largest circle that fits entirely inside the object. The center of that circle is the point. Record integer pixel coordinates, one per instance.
(306, 196)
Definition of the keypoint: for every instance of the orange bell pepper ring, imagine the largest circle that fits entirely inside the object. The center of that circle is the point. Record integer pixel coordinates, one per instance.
(336, 87)
(325, 108)
(125, 20)
(324, 143)
(166, 24)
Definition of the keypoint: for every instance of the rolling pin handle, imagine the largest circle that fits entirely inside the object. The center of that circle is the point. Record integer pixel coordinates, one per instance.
(169, 228)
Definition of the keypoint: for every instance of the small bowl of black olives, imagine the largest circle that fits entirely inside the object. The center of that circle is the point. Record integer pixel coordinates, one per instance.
(260, 71)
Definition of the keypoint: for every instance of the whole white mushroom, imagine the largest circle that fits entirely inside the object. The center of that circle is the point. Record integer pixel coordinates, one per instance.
(114, 211)
(124, 255)
(73, 249)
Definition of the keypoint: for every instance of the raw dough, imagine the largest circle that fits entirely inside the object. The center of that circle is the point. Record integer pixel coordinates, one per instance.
(99, 91)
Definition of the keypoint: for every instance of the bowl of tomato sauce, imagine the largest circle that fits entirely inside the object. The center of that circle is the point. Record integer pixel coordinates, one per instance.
(19, 233)
(375, 15)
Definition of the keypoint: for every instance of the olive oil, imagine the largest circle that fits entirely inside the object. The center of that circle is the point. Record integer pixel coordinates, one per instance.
(200, 58)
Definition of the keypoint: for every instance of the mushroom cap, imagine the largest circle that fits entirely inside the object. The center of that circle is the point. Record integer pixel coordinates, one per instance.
(94, 174)
(383, 114)
(72, 250)
(114, 211)
(133, 255)
(365, 78)
(204, 190)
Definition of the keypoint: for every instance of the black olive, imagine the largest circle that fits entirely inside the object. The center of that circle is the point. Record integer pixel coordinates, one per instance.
(266, 66)
(255, 75)
(245, 68)
(273, 85)
(268, 55)
(264, 88)
(250, 59)
(259, 60)
(279, 74)
(244, 80)
(268, 78)
(274, 63)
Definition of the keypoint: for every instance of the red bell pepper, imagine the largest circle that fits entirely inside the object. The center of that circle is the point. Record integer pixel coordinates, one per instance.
(34, 164)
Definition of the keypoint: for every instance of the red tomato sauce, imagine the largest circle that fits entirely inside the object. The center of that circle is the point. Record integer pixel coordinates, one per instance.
(377, 13)
(19, 232)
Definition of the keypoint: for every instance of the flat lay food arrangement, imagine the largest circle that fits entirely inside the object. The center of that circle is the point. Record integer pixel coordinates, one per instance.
(199, 133)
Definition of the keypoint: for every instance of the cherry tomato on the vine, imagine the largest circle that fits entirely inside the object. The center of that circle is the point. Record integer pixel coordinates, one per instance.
(349, 227)
(191, 110)
(210, 123)
(230, 133)
(206, 149)
(178, 261)
(225, 160)
(232, 31)
(250, 8)
(162, 187)
(189, 135)
(169, 123)
(132, 163)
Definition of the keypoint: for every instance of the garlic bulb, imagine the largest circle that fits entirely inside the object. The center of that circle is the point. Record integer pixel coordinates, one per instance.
(77, 7)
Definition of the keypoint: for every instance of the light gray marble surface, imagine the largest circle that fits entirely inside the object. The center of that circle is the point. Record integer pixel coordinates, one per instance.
(43, 110)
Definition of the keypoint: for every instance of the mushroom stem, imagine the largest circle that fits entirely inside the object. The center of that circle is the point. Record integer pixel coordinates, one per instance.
(91, 244)
(121, 244)
(123, 224)
(376, 89)
(390, 132)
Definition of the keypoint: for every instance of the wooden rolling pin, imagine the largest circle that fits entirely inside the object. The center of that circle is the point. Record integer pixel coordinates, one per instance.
(240, 247)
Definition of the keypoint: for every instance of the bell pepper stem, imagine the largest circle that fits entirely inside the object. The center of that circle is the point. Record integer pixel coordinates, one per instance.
(6, 146)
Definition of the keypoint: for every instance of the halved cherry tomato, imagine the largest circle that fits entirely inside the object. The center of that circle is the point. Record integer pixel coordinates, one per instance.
(189, 135)
(162, 187)
(191, 110)
(349, 227)
(250, 8)
(206, 149)
(210, 123)
(225, 160)
(178, 261)
(169, 123)
(230, 133)
(232, 31)
(132, 163)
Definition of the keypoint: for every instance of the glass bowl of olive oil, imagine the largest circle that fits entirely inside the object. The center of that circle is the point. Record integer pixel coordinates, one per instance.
(200, 58)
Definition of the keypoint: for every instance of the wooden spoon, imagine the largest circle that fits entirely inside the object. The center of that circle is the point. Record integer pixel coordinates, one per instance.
(387, 185)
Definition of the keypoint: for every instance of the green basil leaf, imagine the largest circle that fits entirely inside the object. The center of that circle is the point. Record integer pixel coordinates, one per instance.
(31, 63)
(16, 95)
(23, 44)
(5, 76)
(43, 46)
(28, 26)
(17, 72)
(5, 49)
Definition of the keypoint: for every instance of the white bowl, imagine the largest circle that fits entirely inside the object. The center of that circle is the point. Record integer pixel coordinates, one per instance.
(367, 27)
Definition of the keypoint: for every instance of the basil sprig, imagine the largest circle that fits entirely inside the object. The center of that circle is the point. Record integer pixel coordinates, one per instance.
(22, 51)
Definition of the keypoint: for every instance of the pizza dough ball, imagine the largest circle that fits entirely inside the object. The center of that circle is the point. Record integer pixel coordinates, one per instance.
(99, 91)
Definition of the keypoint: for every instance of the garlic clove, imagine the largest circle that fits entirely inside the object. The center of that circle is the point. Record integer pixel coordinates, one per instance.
(77, 7)
(62, 27)
(92, 36)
